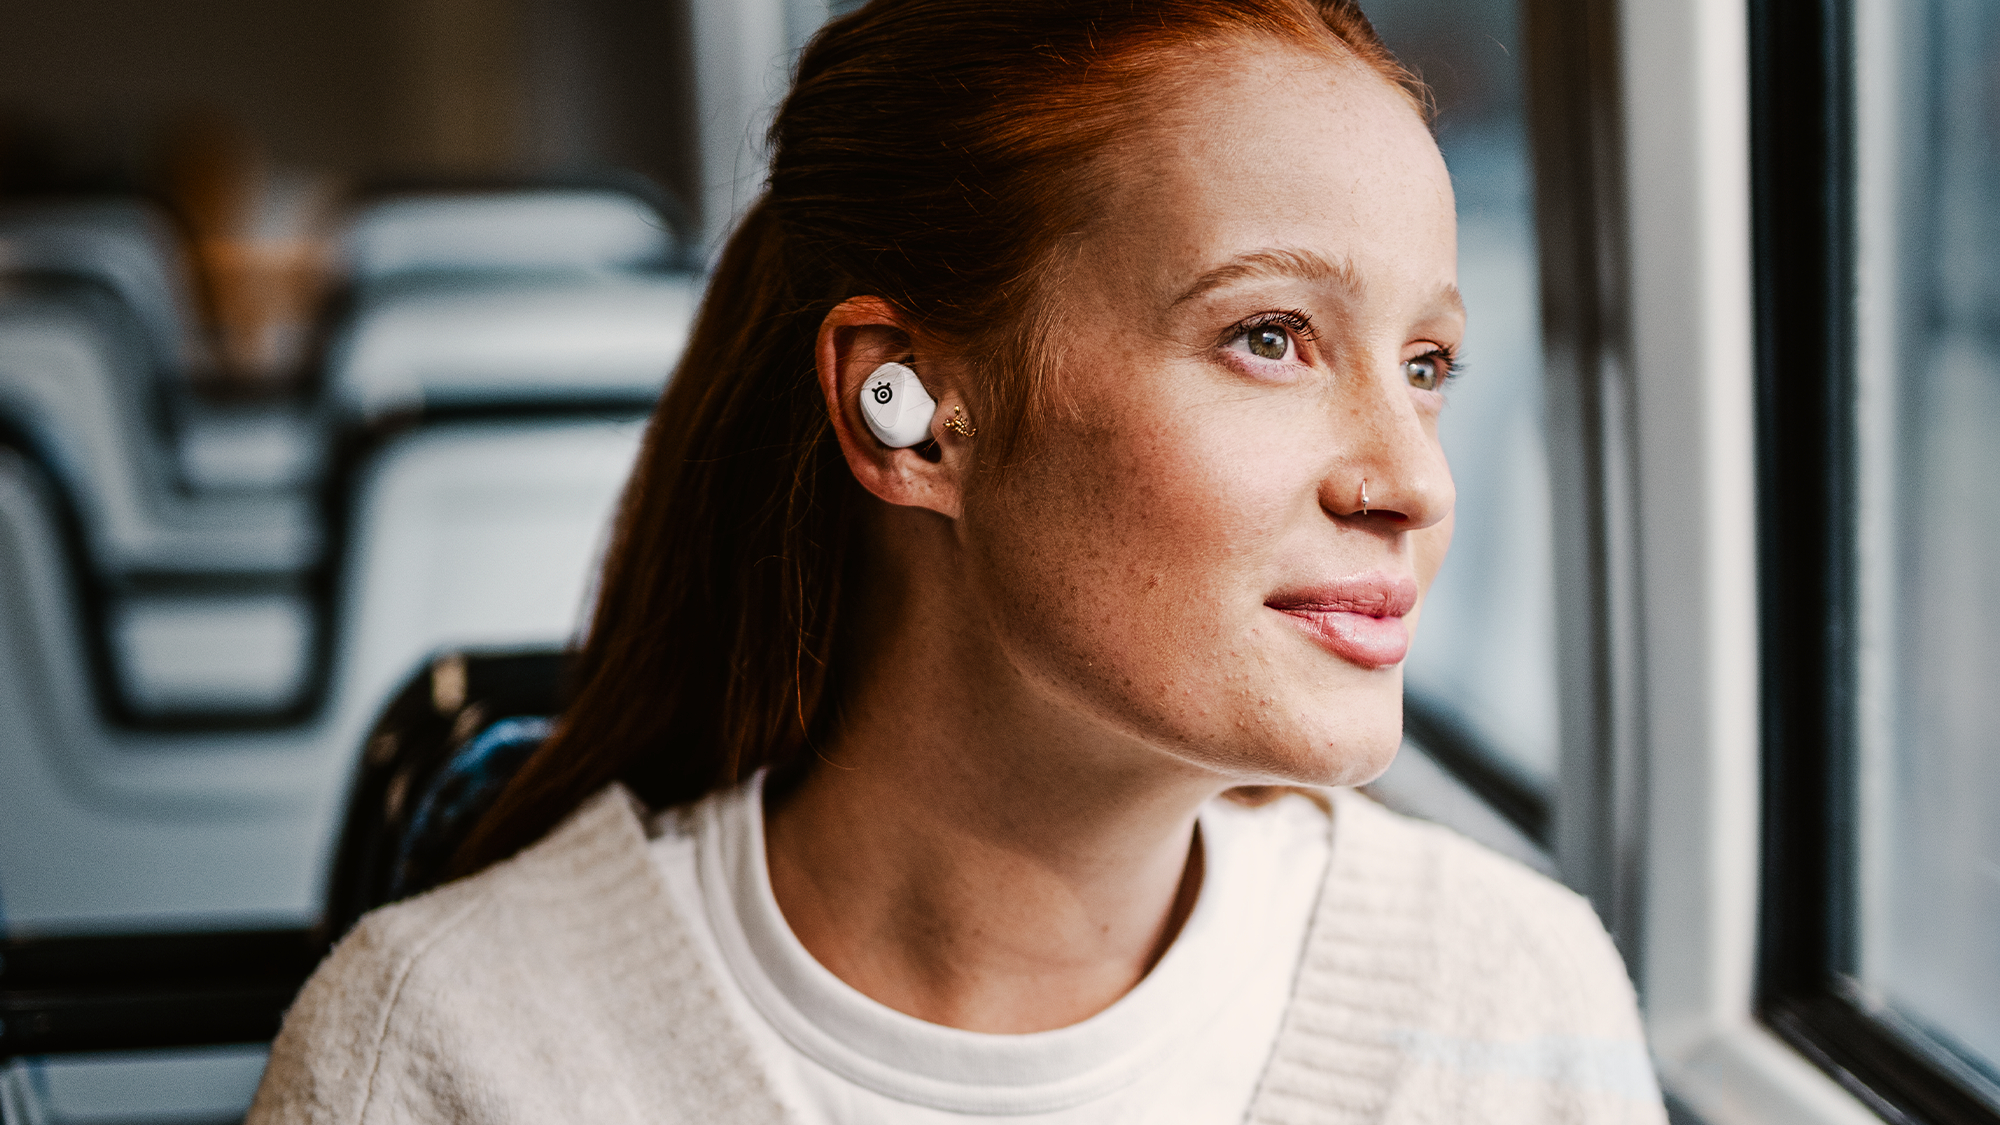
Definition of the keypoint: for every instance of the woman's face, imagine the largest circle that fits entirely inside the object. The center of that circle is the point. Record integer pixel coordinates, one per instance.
(1256, 332)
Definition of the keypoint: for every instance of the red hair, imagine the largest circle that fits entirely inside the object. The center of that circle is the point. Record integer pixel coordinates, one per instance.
(939, 154)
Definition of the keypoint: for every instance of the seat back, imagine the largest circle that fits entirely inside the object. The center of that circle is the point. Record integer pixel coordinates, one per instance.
(488, 342)
(128, 246)
(524, 230)
(211, 1084)
(76, 393)
(525, 298)
(441, 752)
(472, 535)
(74, 381)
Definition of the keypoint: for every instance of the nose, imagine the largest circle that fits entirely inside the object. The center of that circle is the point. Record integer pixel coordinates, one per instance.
(1389, 470)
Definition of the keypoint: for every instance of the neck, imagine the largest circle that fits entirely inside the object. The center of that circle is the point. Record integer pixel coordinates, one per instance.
(967, 854)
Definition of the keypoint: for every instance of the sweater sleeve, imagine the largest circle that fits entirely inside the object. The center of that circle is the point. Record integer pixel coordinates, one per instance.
(1536, 996)
(326, 1059)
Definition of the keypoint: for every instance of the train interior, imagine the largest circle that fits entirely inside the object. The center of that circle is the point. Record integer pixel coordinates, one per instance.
(328, 335)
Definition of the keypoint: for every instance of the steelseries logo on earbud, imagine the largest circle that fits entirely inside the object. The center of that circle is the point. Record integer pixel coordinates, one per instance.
(896, 406)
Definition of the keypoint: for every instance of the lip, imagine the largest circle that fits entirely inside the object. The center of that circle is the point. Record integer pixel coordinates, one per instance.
(1359, 619)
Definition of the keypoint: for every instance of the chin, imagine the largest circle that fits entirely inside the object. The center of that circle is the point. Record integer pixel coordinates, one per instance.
(1356, 761)
(1353, 755)
(1353, 742)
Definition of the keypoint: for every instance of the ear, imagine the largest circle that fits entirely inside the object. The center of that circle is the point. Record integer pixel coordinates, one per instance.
(858, 336)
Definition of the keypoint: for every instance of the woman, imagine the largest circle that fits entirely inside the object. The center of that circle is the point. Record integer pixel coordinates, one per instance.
(890, 789)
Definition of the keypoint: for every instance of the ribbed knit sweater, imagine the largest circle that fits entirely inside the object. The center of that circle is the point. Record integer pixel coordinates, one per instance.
(1439, 983)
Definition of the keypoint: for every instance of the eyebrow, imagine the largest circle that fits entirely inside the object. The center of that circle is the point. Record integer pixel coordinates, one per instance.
(1303, 265)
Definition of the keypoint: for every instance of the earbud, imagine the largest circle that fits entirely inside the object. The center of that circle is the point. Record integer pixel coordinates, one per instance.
(896, 407)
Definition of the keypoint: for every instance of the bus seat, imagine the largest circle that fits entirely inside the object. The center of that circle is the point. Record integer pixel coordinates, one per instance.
(464, 535)
(435, 760)
(212, 653)
(607, 340)
(478, 534)
(197, 1084)
(230, 447)
(125, 244)
(474, 533)
(506, 231)
(72, 384)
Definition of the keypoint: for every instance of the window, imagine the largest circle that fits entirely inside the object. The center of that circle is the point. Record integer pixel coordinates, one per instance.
(1879, 277)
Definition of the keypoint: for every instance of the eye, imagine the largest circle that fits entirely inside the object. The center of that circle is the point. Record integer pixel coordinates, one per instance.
(1267, 341)
(1431, 370)
(1271, 338)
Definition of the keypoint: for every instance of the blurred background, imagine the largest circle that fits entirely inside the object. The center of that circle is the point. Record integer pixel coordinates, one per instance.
(326, 334)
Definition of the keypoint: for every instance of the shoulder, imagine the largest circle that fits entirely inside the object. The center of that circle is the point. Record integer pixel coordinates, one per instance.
(1493, 984)
(547, 987)
(1493, 925)
(1465, 889)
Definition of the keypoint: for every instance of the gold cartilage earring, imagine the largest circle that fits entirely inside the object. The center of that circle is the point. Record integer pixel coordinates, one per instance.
(959, 424)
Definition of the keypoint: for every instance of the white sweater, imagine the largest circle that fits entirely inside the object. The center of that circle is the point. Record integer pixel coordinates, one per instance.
(1439, 983)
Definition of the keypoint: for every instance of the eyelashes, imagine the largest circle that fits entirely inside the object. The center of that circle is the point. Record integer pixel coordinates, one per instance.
(1275, 337)
(1297, 322)
(1435, 368)
(1296, 326)
(1270, 337)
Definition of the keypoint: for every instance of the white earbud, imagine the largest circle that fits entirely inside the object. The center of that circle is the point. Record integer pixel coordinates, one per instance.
(896, 407)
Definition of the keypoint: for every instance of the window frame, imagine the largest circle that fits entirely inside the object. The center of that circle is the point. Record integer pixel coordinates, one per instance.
(1641, 120)
(1683, 275)
(1805, 205)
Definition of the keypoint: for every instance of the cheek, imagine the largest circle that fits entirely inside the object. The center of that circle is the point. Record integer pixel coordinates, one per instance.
(1130, 518)
(1121, 561)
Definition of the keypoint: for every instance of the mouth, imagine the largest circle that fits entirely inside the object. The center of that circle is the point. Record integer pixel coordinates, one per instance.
(1359, 619)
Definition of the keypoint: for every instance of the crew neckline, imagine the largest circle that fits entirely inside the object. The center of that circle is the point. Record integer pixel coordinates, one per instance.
(945, 1068)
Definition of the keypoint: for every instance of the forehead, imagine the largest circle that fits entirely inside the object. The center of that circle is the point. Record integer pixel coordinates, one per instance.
(1266, 145)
